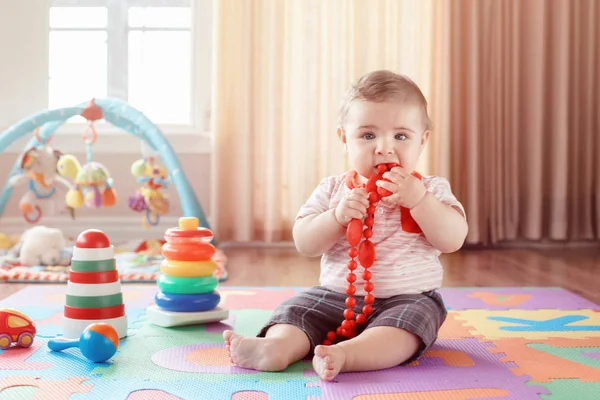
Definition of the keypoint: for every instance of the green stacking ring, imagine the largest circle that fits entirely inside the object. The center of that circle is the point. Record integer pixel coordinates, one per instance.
(93, 266)
(95, 301)
(184, 285)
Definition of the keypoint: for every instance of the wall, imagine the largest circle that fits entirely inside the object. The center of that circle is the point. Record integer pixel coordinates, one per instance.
(23, 91)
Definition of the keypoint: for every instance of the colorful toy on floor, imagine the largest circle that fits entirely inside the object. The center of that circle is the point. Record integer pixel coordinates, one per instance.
(94, 290)
(38, 169)
(15, 327)
(187, 283)
(98, 342)
(42, 246)
(149, 197)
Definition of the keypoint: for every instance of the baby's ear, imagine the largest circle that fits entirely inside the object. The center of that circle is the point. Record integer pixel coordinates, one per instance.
(341, 134)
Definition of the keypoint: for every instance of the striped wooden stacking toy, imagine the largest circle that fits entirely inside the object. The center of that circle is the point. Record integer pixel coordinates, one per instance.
(94, 292)
(187, 285)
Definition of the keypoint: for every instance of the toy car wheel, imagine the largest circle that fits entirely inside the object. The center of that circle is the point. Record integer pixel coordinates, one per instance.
(25, 339)
(5, 341)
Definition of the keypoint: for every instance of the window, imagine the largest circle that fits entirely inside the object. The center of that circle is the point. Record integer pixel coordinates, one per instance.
(139, 51)
(16, 322)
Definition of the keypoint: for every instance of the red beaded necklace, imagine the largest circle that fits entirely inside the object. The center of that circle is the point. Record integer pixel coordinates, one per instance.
(365, 253)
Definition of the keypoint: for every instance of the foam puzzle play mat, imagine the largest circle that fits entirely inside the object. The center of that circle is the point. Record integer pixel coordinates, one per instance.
(497, 343)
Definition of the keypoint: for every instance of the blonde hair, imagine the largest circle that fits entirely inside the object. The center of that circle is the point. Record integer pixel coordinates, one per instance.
(384, 85)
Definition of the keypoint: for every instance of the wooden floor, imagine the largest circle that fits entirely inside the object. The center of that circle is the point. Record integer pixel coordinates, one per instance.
(575, 269)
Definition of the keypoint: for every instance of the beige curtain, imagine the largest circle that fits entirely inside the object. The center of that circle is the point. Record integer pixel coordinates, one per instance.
(525, 118)
(281, 67)
(513, 87)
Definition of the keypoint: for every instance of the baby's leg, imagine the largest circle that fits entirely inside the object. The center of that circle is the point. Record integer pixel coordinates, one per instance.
(292, 332)
(398, 332)
(376, 348)
(283, 345)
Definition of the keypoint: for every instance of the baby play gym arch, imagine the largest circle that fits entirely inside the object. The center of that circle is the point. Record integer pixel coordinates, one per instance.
(118, 113)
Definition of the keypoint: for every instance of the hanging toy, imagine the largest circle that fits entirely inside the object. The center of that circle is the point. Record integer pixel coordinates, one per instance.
(39, 170)
(365, 251)
(149, 197)
(92, 181)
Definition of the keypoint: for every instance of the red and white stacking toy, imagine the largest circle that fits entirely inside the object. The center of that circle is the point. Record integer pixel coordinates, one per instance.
(94, 288)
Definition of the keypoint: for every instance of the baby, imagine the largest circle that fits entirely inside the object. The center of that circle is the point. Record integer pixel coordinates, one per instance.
(383, 120)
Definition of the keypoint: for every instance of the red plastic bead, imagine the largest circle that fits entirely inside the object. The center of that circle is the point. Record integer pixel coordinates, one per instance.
(351, 277)
(371, 210)
(368, 233)
(391, 165)
(338, 331)
(344, 332)
(369, 221)
(368, 286)
(347, 325)
(361, 319)
(367, 310)
(350, 302)
(352, 265)
(371, 185)
(331, 335)
(366, 254)
(374, 197)
(350, 290)
(348, 314)
(353, 252)
(381, 168)
(354, 231)
(326, 342)
(366, 275)
(369, 299)
(384, 192)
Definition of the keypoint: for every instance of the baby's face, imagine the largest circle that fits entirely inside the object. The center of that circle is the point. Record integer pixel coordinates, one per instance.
(384, 132)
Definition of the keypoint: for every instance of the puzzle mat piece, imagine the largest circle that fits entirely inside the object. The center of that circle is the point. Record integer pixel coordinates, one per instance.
(16, 359)
(571, 389)
(193, 388)
(513, 298)
(454, 328)
(549, 359)
(136, 357)
(454, 364)
(454, 394)
(134, 296)
(531, 324)
(47, 389)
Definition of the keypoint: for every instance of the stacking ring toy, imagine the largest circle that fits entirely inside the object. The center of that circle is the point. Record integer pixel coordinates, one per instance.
(182, 285)
(188, 252)
(187, 302)
(187, 268)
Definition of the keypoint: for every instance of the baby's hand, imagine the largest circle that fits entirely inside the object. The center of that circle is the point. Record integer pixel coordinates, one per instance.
(353, 205)
(407, 190)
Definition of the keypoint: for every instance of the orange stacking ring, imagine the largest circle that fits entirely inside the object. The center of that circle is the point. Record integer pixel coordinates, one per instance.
(95, 313)
(188, 252)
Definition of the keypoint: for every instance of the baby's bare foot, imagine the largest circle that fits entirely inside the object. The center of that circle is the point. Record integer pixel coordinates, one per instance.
(328, 361)
(262, 354)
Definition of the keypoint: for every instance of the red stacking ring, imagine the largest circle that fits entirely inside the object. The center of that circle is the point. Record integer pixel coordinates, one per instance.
(95, 313)
(94, 277)
(188, 252)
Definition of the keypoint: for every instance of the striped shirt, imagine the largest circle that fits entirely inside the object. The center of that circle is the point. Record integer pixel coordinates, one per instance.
(405, 262)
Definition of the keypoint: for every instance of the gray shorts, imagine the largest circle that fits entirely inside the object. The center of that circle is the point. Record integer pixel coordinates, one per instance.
(318, 310)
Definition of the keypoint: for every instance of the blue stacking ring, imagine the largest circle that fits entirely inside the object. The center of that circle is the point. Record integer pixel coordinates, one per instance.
(187, 302)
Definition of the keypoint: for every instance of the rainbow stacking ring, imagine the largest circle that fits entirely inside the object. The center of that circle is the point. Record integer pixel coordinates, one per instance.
(187, 302)
(183, 285)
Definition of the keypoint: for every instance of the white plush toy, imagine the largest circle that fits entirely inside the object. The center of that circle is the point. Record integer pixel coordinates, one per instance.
(41, 245)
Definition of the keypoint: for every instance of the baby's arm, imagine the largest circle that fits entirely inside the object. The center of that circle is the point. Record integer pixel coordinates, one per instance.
(316, 233)
(443, 225)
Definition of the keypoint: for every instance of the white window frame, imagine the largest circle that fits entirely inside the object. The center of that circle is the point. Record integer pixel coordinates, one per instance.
(117, 29)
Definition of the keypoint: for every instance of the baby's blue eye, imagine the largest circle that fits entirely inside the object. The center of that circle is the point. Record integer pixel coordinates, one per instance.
(401, 136)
